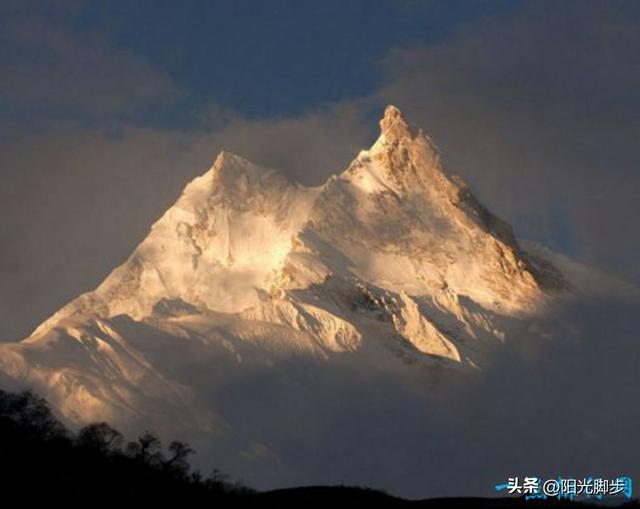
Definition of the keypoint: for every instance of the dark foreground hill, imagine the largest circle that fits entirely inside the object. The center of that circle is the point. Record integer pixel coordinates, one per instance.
(42, 462)
(330, 496)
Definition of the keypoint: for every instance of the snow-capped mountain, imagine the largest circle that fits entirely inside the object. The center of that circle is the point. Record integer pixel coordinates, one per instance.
(254, 301)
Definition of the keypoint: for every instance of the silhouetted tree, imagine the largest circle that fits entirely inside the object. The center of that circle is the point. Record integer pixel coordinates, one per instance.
(218, 480)
(147, 449)
(30, 412)
(39, 461)
(178, 463)
(100, 437)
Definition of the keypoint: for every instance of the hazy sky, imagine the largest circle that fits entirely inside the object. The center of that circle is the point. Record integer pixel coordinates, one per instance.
(107, 109)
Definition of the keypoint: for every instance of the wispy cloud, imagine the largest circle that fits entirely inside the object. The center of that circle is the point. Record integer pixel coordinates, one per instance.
(53, 71)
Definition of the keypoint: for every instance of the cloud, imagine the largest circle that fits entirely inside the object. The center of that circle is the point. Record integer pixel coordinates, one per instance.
(53, 71)
(308, 148)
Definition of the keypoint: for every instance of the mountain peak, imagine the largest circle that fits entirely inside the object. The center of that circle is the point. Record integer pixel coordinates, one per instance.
(233, 173)
(228, 161)
(392, 264)
(393, 125)
(396, 132)
(242, 231)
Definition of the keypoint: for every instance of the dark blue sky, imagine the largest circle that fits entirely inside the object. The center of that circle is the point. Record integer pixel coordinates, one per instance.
(277, 57)
(259, 59)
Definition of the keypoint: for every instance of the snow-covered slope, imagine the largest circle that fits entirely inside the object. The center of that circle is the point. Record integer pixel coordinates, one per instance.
(249, 281)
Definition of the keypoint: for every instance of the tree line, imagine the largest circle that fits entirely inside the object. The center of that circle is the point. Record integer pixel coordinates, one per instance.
(41, 460)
